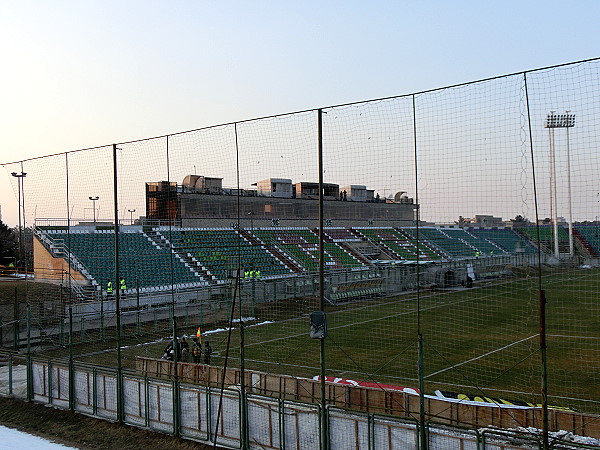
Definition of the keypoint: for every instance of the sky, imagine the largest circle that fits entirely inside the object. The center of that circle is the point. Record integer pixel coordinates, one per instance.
(78, 74)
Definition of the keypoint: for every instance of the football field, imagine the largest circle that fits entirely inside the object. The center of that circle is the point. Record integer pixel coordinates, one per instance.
(483, 340)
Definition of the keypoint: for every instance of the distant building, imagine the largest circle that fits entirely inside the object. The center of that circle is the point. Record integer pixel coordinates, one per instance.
(310, 190)
(275, 187)
(487, 221)
(206, 185)
(203, 202)
(356, 192)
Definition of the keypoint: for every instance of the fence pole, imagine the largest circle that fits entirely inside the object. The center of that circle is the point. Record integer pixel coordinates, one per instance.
(243, 398)
(10, 374)
(324, 424)
(424, 444)
(541, 293)
(137, 301)
(29, 377)
(117, 290)
(16, 323)
(176, 408)
(102, 335)
(253, 296)
(71, 368)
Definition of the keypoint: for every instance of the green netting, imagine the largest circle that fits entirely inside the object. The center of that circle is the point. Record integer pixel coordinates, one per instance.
(445, 217)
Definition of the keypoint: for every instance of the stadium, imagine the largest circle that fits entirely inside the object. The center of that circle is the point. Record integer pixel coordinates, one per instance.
(428, 295)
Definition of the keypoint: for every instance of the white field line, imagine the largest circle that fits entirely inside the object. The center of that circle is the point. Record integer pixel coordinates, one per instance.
(482, 356)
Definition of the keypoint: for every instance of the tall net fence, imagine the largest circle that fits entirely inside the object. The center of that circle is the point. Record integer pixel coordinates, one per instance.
(451, 237)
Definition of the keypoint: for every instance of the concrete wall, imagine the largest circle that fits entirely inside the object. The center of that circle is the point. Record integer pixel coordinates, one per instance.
(221, 210)
(48, 267)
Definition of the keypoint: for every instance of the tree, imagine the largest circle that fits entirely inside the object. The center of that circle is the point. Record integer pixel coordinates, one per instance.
(519, 219)
(9, 248)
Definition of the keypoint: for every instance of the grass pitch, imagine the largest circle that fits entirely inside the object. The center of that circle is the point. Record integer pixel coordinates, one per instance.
(483, 340)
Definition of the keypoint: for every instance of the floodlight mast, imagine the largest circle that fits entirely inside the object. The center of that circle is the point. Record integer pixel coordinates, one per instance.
(20, 177)
(567, 121)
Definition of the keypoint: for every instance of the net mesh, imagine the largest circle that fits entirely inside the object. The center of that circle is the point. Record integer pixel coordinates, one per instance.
(447, 215)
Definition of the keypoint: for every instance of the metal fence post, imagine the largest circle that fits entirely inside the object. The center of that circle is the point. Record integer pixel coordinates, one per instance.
(29, 365)
(16, 323)
(324, 419)
(71, 368)
(118, 288)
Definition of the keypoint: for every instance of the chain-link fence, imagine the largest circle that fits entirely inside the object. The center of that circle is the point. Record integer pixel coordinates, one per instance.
(451, 238)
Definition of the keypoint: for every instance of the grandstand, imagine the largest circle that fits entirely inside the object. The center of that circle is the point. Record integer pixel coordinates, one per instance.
(453, 247)
(398, 245)
(504, 238)
(208, 256)
(215, 252)
(546, 233)
(301, 246)
(143, 263)
(589, 236)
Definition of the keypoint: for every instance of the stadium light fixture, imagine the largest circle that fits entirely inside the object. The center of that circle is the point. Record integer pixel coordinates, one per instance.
(94, 200)
(131, 211)
(566, 121)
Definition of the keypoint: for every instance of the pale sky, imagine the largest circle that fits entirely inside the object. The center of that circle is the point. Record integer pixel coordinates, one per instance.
(78, 74)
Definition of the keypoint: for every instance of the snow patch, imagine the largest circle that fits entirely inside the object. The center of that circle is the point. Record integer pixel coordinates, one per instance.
(14, 439)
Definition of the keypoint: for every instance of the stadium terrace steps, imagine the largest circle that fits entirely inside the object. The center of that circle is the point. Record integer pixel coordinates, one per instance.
(546, 237)
(479, 244)
(301, 246)
(505, 238)
(393, 242)
(216, 251)
(589, 238)
(451, 247)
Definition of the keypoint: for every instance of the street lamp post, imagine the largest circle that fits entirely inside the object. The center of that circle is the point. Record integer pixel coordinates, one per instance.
(131, 211)
(94, 200)
(19, 177)
(567, 121)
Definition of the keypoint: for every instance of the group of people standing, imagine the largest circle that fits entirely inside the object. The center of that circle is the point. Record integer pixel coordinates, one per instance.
(110, 288)
(251, 274)
(182, 350)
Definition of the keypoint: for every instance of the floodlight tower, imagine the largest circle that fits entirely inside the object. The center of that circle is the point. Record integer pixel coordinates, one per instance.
(20, 177)
(567, 121)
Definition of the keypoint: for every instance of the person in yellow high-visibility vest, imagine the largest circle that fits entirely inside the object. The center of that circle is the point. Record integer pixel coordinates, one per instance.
(109, 287)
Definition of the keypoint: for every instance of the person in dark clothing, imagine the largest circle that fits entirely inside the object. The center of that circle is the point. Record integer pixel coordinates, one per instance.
(207, 353)
(185, 350)
(196, 351)
(469, 282)
(169, 352)
(176, 348)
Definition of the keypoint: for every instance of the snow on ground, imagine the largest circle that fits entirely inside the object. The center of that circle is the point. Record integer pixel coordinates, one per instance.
(246, 319)
(15, 440)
